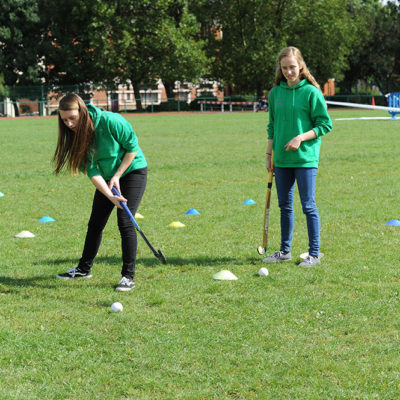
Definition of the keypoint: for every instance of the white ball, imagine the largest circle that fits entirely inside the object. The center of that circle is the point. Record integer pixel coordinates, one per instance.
(116, 307)
(263, 272)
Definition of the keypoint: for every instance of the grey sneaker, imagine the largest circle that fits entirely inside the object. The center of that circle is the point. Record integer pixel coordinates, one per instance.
(310, 261)
(73, 273)
(125, 284)
(278, 256)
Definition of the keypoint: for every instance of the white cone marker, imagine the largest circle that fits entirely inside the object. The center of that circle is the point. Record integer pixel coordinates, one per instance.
(225, 275)
(24, 234)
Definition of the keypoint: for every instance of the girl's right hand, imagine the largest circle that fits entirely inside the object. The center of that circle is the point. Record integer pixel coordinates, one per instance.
(116, 200)
(101, 185)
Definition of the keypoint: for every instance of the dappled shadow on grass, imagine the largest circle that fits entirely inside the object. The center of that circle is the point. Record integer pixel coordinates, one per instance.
(10, 285)
(200, 261)
(49, 281)
(153, 261)
(7, 282)
(71, 262)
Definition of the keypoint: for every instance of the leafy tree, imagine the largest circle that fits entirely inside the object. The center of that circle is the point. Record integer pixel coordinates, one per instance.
(151, 39)
(2, 89)
(326, 32)
(118, 41)
(68, 48)
(108, 42)
(254, 31)
(244, 39)
(184, 58)
(129, 47)
(377, 58)
(20, 33)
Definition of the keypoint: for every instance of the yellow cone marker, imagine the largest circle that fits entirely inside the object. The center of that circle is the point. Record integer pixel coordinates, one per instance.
(138, 216)
(176, 224)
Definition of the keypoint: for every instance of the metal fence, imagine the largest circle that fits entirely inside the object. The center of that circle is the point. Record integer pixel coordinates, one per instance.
(43, 101)
(360, 99)
(29, 108)
(25, 106)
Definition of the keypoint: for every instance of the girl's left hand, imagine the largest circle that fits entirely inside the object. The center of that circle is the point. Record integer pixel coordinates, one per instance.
(294, 144)
(114, 181)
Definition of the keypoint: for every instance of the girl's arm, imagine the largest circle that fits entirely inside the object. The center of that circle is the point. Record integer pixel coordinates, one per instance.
(101, 185)
(295, 143)
(320, 118)
(126, 162)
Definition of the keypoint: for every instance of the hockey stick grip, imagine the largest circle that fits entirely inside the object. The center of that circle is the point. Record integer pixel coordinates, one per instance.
(125, 207)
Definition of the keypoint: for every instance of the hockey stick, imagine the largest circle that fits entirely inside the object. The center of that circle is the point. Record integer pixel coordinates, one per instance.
(159, 254)
(262, 249)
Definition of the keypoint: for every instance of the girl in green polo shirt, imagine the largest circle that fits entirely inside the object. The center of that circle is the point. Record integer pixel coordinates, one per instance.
(104, 146)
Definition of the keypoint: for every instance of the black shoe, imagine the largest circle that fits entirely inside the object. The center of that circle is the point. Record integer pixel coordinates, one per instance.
(125, 284)
(74, 273)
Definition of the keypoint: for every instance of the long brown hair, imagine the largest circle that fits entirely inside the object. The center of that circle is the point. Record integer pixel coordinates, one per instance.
(73, 148)
(304, 71)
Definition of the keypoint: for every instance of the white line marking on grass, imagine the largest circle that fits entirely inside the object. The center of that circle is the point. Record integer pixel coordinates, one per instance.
(353, 119)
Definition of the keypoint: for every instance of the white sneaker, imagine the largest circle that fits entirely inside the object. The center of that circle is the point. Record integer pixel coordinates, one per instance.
(310, 261)
(278, 256)
(125, 284)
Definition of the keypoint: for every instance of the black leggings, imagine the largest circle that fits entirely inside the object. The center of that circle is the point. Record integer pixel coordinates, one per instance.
(132, 188)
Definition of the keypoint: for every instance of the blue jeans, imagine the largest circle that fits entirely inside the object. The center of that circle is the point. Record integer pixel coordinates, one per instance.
(306, 180)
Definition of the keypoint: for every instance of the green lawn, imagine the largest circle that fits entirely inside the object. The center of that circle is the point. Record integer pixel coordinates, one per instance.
(330, 332)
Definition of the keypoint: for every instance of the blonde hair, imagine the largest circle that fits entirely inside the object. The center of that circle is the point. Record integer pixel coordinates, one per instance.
(73, 148)
(304, 71)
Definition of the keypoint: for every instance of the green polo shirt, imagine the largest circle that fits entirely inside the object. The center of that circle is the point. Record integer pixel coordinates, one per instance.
(114, 137)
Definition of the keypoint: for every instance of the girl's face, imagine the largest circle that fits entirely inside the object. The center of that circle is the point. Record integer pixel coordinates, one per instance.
(70, 118)
(290, 70)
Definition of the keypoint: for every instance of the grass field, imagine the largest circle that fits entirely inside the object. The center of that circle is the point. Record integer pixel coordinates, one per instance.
(330, 332)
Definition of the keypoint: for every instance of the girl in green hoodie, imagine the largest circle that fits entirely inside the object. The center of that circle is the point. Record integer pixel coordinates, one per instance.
(298, 118)
(104, 146)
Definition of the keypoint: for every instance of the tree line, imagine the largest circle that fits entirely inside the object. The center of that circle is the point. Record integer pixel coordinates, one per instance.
(234, 42)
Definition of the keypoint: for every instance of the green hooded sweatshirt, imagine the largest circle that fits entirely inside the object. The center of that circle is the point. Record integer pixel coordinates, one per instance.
(293, 111)
(114, 137)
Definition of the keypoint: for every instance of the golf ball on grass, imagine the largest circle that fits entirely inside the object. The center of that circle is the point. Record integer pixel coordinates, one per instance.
(116, 307)
(263, 272)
